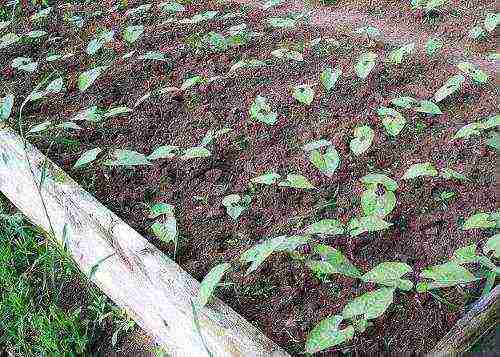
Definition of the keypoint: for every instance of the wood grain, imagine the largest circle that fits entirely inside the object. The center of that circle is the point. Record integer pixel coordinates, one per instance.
(153, 289)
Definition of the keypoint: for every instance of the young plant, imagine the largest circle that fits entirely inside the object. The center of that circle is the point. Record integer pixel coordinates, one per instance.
(236, 204)
(324, 156)
(261, 110)
(165, 225)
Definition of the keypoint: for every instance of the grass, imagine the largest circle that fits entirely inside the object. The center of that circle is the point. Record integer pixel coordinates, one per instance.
(40, 313)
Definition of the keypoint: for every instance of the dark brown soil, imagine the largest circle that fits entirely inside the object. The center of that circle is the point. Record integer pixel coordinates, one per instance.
(283, 297)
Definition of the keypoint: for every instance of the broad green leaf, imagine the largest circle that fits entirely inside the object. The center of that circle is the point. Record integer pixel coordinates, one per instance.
(161, 209)
(477, 74)
(480, 220)
(132, 33)
(257, 254)
(365, 64)
(153, 56)
(465, 255)
(54, 86)
(201, 17)
(236, 204)
(6, 104)
(116, 111)
(100, 40)
(210, 282)
(86, 78)
(171, 6)
(267, 178)
(375, 204)
(164, 152)
(375, 179)
(420, 169)
(392, 120)
(369, 305)
(8, 39)
(494, 141)
(195, 152)
(326, 226)
(396, 56)
(404, 102)
(451, 86)
(247, 63)
(271, 3)
(261, 110)
(365, 224)
(87, 157)
(287, 54)
(296, 181)
(369, 31)
(327, 334)
(190, 82)
(428, 107)
(363, 138)
(451, 174)
(445, 275)
(472, 129)
(491, 21)
(40, 128)
(491, 122)
(493, 244)
(328, 162)
(433, 46)
(389, 274)
(216, 42)
(329, 77)
(332, 262)
(127, 158)
(24, 64)
(281, 22)
(303, 93)
(165, 229)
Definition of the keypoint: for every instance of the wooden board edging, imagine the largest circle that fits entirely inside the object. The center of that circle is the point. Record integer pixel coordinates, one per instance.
(152, 288)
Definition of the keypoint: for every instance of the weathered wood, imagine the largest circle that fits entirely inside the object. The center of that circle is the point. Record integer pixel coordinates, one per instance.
(153, 289)
(482, 317)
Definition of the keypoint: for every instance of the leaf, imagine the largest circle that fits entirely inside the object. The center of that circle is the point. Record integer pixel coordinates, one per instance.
(480, 220)
(433, 46)
(392, 120)
(389, 274)
(465, 132)
(365, 64)
(404, 102)
(41, 14)
(6, 104)
(396, 56)
(433, 5)
(446, 275)
(195, 152)
(40, 127)
(127, 158)
(86, 158)
(477, 75)
(494, 141)
(317, 144)
(161, 209)
(332, 262)
(117, 111)
(86, 78)
(8, 39)
(465, 255)
(189, 82)
(374, 179)
(365, 224)
(171, 6)
(428, 107)
(493, 244)
(280, 22)
(24, 64)
(379, 205)
(165, 229)
(328, 162)
(132, 33)
(267, 179)
(92, 114)
(491, 122)
(216, 42)
(451, 174)
(329, 77)
(420, 169)
(477, 32)
(257, 254)
(54, 86)
(363, 138)
(327, 334)
(201, 17)
(271, 3)
(326, 226)
(100, 40)
(35, 34)
(260, 110)
(491, 21)
(164, 152)
(296, 181)
(369, 31)
(303, 93)
(235, 204)
(451, 86)
(288, 54)
(369, 305)
(247, 63)
(210, 282)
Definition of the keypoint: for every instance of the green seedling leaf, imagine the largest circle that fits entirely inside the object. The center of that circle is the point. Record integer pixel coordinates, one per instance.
(6, 104)
(481, 220)
(365, 64)
(40, 128)
(428, 107)
(86, 78)
(404, 102)
(160, 209)
(247, 63)
(318, 144)
(365, 224)
(261, 110)
(127, 158)
(493, 244)
(389, 274)
(296, 181)
(326, 226)
(491, 21)
(375, 179)
(451, 86)
(139, 10)
(451, 174)
(369, 305)
(433, 46)
(164, 152)
(4, 24)
(494, 141)
(192, 81)
(153, 56)
(171, 6)
(165, 229)
(97, 43)
(445, 275)
(420, 169)
(327, 334)
(210, 282)
(472, 129)
(87, 157)
(433, 5)
(285, 53)
(55, 86)
(216, 42)
(41, 14)
(328, 162)
(211, 136)
(116, 111)
(491, 122)
(236, 204)
(303, 93)
(24, 64)
(329, 77)
(92, 114)
(332, 262)
(195, 152)
(375, 204)
(465, 255)
(477, 75)
(8, 39)
(269, 178)
(369, 31)
(363, 138)
(271, 3)
(132, 33)
(201, 17)
(35, 34)
(396, 56)
(257, 254)
(392, 120)
(281, 22)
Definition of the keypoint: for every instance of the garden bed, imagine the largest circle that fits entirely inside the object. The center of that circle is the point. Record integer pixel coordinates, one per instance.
(284, 297)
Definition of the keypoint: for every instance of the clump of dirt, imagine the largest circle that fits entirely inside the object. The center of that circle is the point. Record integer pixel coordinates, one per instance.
(282, 297)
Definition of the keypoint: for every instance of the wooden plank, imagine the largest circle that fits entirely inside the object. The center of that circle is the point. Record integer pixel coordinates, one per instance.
(482, 317)
(153, 289)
